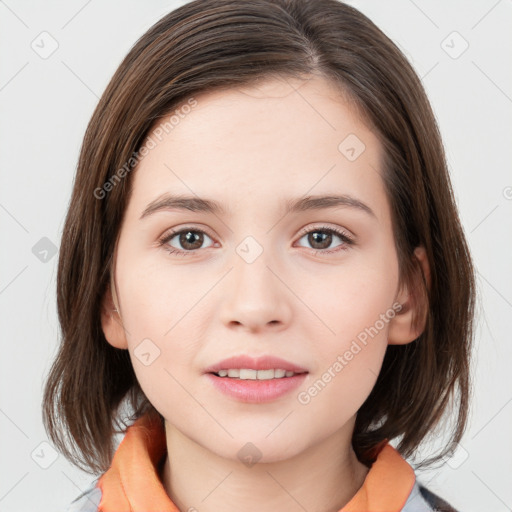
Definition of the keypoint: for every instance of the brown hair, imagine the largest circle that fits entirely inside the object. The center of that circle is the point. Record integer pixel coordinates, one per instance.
(214, 44)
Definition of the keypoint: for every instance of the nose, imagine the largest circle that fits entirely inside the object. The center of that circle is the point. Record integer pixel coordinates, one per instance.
(255, 296)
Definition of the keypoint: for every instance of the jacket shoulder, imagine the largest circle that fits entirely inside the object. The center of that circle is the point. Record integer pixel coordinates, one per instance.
(88, 501)
(422, 500)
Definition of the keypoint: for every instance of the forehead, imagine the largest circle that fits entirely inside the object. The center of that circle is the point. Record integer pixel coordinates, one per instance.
(275, 138)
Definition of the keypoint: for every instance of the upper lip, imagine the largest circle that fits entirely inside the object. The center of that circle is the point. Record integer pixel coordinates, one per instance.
(255, 363)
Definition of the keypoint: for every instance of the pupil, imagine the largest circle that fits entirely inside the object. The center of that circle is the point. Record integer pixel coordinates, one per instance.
(188, 238)
(320, 237)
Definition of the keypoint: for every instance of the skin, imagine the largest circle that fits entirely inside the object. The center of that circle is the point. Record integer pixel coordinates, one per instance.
(251, 149)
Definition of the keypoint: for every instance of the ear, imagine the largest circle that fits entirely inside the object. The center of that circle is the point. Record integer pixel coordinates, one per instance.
(414, 305)
(111, 322)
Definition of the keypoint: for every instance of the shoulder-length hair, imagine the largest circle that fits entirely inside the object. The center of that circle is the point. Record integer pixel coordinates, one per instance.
(221, 44)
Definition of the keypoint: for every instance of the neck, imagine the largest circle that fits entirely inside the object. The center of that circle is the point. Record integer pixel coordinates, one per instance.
(323, 478)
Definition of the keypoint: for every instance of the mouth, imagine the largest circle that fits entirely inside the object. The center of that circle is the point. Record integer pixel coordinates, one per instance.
(256, 386)
(251, 374)
(256, 379)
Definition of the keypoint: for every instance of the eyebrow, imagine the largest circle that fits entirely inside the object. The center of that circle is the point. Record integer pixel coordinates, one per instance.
(167, 202)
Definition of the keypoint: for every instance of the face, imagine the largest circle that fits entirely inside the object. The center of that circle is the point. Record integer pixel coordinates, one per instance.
(314, 286)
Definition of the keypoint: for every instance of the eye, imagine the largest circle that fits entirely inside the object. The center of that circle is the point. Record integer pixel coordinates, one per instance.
(190, 239)
(321, 238)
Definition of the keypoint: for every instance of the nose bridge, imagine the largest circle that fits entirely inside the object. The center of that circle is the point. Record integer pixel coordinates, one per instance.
(255, 296)
(251, 271)
(254, 248)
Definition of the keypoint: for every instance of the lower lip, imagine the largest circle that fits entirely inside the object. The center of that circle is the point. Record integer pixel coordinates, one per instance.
(256, 391)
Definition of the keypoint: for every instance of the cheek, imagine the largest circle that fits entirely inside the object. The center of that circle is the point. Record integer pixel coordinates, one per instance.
(348, 362)
(158, 314)
(357, 311)
(162, 352)
(356, 304)
(156, 296)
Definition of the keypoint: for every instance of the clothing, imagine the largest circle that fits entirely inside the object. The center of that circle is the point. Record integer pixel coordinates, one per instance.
(132, 482)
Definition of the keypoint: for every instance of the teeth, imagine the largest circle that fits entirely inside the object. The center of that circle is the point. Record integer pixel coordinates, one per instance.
(248, 374)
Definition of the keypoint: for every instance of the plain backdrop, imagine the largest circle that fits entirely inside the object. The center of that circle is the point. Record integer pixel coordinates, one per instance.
(462, 51)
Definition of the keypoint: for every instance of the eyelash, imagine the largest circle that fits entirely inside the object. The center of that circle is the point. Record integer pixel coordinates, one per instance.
(346, 239)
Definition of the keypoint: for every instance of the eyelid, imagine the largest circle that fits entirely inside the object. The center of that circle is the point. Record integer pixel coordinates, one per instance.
(324, 227)
(172, 232)
(348, 240)
(189, 227)
(345, 236)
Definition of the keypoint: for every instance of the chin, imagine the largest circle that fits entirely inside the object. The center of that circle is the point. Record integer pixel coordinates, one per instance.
(256, 446)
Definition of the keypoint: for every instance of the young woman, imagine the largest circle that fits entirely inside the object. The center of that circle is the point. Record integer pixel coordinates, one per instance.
(263, 262)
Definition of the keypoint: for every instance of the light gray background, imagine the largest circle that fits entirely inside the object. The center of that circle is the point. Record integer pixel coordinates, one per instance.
(46, 104)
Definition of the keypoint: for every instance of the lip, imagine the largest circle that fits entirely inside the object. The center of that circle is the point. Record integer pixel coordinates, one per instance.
(256, 391)
(265, 362)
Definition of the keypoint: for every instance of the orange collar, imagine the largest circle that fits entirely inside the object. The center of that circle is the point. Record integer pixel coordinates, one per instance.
(132, 482)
